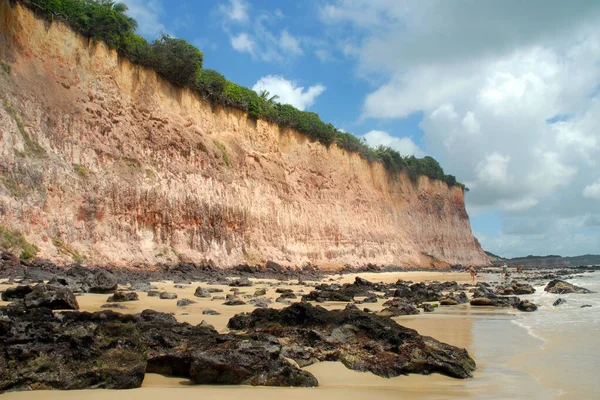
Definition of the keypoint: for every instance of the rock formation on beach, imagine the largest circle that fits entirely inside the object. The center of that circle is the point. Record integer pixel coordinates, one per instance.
(40, 349)
(103, 161)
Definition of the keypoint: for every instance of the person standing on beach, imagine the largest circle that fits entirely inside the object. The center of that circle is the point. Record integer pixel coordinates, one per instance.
(473, 273)
(505, 271)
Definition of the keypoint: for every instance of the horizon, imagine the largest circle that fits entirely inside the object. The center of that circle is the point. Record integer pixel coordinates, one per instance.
(498, 108)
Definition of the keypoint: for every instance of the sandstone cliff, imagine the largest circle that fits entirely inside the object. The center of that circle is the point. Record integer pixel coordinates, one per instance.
(105, 161)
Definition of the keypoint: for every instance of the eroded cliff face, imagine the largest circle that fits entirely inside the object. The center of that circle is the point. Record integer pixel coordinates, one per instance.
(103, 160)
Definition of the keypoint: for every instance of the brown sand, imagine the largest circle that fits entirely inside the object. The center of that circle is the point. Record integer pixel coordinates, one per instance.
(486, 333)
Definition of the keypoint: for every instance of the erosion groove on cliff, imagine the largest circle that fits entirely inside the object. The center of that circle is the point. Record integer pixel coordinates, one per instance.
(129, 169)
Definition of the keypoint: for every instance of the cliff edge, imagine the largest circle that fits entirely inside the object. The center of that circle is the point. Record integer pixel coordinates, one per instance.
(104, 161)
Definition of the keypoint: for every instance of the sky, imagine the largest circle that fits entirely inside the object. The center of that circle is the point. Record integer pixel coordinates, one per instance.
(504, 94)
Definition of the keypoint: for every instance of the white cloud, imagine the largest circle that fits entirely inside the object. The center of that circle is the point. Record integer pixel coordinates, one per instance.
(404, 145)
(147, 14)
(243, 43)
(236, 10)
(509, 98)
(288, 91)
(592, 191)
(289, 44)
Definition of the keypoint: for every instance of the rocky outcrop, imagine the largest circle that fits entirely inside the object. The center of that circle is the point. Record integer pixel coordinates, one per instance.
(561, 287)
(360, 340)
(102, 160)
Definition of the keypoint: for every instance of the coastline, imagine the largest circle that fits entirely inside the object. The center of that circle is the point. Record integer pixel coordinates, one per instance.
(507, 355)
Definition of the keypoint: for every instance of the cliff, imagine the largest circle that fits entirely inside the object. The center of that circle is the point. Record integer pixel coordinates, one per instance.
(104, 161)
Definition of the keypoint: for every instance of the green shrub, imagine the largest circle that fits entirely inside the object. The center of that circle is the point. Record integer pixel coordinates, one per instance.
(5, 67)
(177, 60)
(14, 241)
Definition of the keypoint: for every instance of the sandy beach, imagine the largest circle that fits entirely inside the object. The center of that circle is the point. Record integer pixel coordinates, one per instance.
(511, 362)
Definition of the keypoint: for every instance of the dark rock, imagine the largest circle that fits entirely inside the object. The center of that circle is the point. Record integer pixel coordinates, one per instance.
(288, 295)
(321, 296)
(214, 290)
(397, 307)
(428, 307)
(527, 306)
(210, 311)
(167, 296)
(234, 301)
(585, 306)
(283, 290)
(15, 293)
(201, 292)
(282, 300)
(558, 302)
(70, 283)
(448, 302)
(362, 341)
(242, 282)
(114, 305)
(153, 293)
(51, 297)
(119, 297)
(260, 292)
(184, 302)
(180, 286)
(483, 301)
(70, 351)
(560, 287)
(260, 302)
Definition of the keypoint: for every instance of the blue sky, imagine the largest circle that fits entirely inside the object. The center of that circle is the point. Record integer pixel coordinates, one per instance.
(503, 93)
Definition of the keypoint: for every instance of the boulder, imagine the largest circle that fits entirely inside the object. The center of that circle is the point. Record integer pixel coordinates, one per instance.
(202, 292)
(558, 302)
(51, 297)
(397, 307)
(322, 296)
(210, 311)
(428, 307)
(260, 302)
(448, 302)
(527, 306)
(561, 287)
(70, 351)
(153, 293)
(15, 293)
(483, 301)
(114, 305)
(242, 282)
(185, 302)
(361, 341)
(120, 297)
(234, 301)
(260, 292)
(167, 296)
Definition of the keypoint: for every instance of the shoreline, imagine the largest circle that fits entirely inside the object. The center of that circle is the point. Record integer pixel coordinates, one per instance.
(491, 335)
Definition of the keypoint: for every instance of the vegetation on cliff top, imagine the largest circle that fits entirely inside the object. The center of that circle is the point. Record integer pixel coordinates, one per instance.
(181, 63)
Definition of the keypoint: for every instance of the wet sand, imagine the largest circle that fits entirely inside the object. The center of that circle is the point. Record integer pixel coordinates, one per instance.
(497, 345)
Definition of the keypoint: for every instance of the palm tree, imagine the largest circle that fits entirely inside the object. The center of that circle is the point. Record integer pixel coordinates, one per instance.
(264, 94)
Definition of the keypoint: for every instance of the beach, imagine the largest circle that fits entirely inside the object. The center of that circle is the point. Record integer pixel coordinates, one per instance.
(517, 355)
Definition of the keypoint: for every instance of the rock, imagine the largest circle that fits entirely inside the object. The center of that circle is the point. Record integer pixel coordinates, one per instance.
(184, 302)
(214, 290)
(153, 293)
(428, 307)
(260, 302)
(51, 297)
(527, 306)
(114, 305)
(283, 290)
(119, 297)
(180, 286)
(288, 295)
(448, 302)
(101, 281)
(515, 288)
(15, 293)
(167, 296)
(201, 292)
(210, 311)
(142, 287)
(67, 282)
(242, 282)
(483, 301)
(397, 307)
(560, 287)
(558, 302)
(282, 300)
(260, 292)
(321, 296)
(71, 350)
(585, 306)
(234, 301)
(361, 341)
